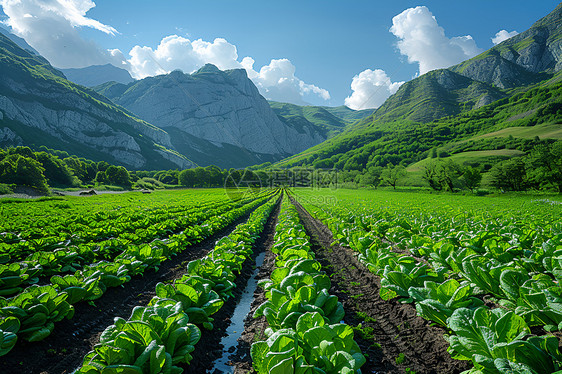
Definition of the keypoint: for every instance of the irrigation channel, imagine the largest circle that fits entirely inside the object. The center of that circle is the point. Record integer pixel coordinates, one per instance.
(384, 330)
(63, 351)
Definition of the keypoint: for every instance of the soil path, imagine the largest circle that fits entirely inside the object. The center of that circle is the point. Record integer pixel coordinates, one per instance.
(64, 350)
(393, 338)
(209, 348)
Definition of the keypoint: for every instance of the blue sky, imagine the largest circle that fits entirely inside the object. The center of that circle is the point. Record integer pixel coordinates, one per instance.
(327, 43)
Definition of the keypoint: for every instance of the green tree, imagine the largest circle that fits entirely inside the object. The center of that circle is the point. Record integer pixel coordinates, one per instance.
(29, 172)
(472, 178)
(392, 174)
(215, 176)
(510, 175)
(544, 166)
(187, 178)
(56, 171)
(201, 177)
(371, 177)
(118, 175)
(101, 178)
(442, 175)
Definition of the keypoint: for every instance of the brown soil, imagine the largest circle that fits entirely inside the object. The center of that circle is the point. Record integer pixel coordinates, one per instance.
(63, 351)
(393, 338)
(209, 348)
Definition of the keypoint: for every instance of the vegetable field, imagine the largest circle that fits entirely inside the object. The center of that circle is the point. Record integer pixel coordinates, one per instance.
(352, 281)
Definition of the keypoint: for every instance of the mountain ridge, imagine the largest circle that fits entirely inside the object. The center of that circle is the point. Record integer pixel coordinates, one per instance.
(216, 116)
(38, 106)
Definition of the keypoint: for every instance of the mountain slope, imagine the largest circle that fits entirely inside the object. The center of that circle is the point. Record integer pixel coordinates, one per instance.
(446, 109)
(20, 42)
(521, 61)
(347, 114)
(511, 123)
(38, 106)
(526, 58)
(214, 117)
(302, 116)
(434, 95)
(98, 74)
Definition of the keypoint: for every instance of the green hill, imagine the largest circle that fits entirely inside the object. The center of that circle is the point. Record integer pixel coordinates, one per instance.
(347, 114)
(509, 97)
(301, 116)
(434, 95)
(538, 109)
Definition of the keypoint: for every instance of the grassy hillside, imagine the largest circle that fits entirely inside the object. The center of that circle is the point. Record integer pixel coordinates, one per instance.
(536, 111)
(347, 114)
(434, 95)
(301, 116)
(509, 97)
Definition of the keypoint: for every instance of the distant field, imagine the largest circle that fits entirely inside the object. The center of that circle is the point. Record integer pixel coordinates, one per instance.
(544, 131)
(471, 157)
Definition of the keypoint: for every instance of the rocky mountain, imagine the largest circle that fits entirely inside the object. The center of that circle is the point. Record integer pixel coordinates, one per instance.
(529, 57)
(95, 75)
(500, 99)
(214, 117)
(436, 94)
(523, 60)
(38, 106)
(20, 42)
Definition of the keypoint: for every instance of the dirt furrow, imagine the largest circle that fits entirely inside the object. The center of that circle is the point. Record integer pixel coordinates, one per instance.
(209, 348)
(393, 338)
(64, 349)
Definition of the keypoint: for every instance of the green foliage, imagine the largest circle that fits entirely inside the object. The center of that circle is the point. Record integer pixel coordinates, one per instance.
(117, 175)
(451, 256)
(495, 340)
(442, 175)
(510, 175)
(305, 334)
(392, 174)
(471, 178)
(376, 143)
(23, 171)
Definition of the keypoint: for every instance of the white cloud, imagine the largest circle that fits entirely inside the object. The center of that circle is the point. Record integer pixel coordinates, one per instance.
(370, 89)
(275, 81)
(50, 27)
(424, 42)
(503, 35)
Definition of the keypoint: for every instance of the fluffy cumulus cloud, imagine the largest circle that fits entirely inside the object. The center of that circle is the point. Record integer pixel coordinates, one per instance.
(51, 27)
(423, 41)
(370, 89)
(503, 35)
(276, 81)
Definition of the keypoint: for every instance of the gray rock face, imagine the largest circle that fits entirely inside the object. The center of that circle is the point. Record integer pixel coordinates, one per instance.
(526, 58)
(220, 107)
(7, 136)
(97, 74)
(54, 112)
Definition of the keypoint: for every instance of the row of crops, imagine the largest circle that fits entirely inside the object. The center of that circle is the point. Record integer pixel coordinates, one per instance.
(164, 334)
(487, 270)
(305, 334)
(40, 291)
